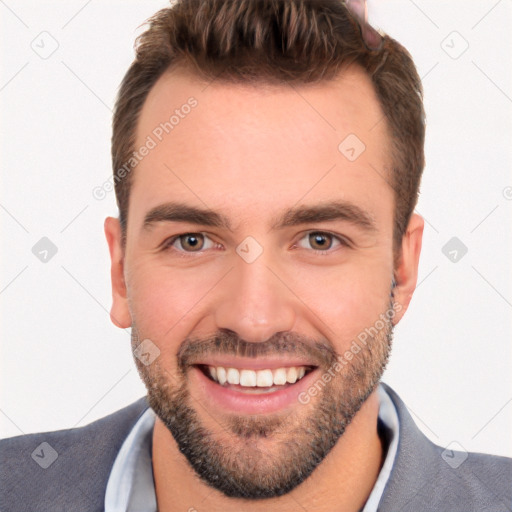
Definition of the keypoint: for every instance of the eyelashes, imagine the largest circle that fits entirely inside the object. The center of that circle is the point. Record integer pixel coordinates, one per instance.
(197, 240)
(201, 242)
(316, 236)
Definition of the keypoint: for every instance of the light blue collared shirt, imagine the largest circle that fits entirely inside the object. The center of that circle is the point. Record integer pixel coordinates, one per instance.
(131, 488)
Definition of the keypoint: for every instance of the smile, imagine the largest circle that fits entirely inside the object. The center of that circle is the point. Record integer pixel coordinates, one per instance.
(257, 378)
(236, 389)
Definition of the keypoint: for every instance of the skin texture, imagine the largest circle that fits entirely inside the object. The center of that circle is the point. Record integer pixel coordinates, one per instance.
(240, 153)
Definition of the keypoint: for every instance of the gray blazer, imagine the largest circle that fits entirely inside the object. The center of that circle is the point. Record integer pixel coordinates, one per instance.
(425, 477)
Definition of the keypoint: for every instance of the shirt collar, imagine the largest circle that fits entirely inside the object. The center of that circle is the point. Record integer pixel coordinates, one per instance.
(131, 479)
(388, 423)
(131, 488)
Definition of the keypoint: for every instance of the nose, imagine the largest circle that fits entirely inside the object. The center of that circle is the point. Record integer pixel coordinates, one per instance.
(255, 302)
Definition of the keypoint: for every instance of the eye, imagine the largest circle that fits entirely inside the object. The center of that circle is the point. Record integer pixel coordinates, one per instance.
(322, 241)
(189, 242)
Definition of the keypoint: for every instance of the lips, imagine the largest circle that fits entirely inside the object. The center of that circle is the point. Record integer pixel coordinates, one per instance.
(234, 388)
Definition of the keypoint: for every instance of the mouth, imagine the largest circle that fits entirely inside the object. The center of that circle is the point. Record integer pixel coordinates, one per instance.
(265, 380)
(252, 391)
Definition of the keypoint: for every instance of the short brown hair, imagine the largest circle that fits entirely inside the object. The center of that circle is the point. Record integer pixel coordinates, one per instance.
(275, 41)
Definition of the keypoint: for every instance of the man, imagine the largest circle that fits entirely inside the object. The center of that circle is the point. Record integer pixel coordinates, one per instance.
(284, 142)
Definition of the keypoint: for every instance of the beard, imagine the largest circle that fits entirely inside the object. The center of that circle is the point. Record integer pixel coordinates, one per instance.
(265, 456)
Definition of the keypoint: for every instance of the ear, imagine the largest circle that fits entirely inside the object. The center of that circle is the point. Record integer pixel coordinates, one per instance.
(406, 271)
(120, 312)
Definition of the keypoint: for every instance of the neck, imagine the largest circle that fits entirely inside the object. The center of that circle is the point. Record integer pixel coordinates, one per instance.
(343, 480)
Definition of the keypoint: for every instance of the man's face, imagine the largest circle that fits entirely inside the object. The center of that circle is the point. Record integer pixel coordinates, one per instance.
(292, 268)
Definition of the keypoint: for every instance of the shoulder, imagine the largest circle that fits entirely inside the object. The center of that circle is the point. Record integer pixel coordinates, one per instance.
(64, 469)
(426, 476)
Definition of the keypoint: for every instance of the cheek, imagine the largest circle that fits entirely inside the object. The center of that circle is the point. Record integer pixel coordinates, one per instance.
(345, 300)
(164, 299)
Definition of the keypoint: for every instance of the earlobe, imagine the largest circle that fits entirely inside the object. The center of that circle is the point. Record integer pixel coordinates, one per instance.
(406, 272)
(119, 312)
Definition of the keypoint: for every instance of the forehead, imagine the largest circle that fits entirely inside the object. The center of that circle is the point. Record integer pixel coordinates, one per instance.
(261, 146)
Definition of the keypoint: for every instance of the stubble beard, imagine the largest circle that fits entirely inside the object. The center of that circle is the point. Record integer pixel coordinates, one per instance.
(256, 457)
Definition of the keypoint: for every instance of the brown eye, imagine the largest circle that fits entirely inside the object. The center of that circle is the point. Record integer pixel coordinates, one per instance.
(191, 242)
(320, 241)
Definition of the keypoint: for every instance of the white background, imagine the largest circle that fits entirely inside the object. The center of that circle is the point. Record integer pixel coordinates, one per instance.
(63, 364)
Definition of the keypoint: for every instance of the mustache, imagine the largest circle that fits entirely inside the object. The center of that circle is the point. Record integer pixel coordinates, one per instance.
(319, 352)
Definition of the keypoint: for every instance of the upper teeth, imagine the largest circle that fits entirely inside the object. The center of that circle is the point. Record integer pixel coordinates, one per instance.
(257, 378)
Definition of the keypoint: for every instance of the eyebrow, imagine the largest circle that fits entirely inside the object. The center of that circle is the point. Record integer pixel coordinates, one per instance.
(323, 212)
